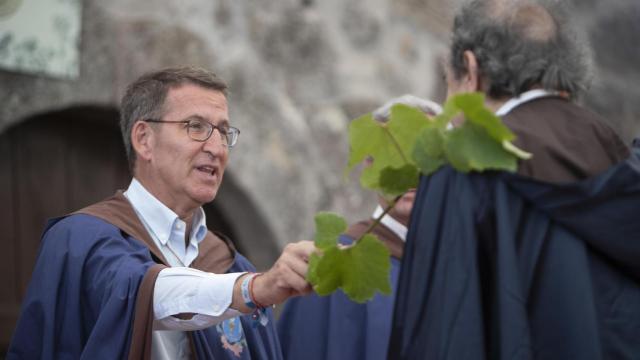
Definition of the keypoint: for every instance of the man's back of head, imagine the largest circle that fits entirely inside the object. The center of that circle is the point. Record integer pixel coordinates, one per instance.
(519, 45)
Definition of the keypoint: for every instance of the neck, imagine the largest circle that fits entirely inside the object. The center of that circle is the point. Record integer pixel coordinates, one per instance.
(184, 212)
(495, 104)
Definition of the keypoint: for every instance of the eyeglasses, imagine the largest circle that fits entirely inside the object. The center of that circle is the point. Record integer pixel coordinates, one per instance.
(201, 130)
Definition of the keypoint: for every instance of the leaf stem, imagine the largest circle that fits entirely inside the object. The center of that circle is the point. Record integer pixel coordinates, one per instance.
(396, 145)
(377, 220)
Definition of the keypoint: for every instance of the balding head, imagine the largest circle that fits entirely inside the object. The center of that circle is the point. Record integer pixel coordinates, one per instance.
(519, 45)
(533, 21)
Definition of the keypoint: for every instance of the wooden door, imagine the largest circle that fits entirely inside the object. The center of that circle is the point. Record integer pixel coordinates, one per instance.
(50, 165)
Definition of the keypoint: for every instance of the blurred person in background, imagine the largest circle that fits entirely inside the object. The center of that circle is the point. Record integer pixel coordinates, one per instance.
(334, 327)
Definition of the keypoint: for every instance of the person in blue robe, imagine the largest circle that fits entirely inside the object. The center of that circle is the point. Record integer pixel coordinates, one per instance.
(518, 268)
(335, 327)
(542, 264)
(139, 275)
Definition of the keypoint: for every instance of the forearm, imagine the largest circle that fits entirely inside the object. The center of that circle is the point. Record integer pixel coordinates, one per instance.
(189, 299)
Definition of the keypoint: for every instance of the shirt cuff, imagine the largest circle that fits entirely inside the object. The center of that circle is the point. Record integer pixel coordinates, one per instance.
(180, 290)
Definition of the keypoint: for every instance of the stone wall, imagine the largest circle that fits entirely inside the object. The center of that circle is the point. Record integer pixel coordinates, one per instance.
(613, 29)
(298, 72)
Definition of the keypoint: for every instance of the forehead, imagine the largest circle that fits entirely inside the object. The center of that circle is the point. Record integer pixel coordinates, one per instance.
(189, 99)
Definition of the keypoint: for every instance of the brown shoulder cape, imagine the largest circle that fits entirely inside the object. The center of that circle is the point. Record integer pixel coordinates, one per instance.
(216, 254)
(568, 142)
(388, 237)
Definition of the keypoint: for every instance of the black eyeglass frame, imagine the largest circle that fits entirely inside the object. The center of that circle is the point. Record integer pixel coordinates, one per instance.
(230, 133)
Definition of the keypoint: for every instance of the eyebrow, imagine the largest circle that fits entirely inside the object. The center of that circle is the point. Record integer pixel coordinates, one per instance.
(223, 122)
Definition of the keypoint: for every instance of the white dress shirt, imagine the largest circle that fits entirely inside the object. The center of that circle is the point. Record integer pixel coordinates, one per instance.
(394, 225)
(180, 289)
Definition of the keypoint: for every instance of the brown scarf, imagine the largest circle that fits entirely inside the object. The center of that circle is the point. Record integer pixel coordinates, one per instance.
(215, 254)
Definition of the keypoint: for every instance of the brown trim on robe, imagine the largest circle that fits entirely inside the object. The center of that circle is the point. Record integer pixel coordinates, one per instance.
(216, 254)
(118, 212)
(143, 320)
(568, 142)
(392, 241)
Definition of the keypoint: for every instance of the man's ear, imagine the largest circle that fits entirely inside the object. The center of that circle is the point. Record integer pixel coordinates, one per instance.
(472, 79)
(142, 139)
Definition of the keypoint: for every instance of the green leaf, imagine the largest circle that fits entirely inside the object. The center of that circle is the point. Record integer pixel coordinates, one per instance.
(472, 105)
(428, 152)
(470, 147)
(328, 227)
(482, 142)
(399, 147)
(359, 270)
(395, 182)
(312, 273)
(405, 124)
(388, 144)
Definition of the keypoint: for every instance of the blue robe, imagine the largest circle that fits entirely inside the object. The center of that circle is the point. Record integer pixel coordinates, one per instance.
(81, 301)
(333, 327)
(498, 266)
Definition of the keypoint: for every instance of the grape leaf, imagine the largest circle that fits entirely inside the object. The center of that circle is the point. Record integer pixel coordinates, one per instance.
(428, 152)
(328, 227)
(470, 147)
(359, 270)
(401, 147)
(472, 105)
(395, 182)
(482, 142)
(389, 144)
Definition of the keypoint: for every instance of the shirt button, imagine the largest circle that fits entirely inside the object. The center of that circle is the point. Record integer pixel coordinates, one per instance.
(179, 226)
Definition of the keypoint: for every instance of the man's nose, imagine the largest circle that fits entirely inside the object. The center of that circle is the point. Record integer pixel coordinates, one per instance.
(216, 142)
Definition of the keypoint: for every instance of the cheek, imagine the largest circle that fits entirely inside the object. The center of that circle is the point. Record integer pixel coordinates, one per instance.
(177, 162)
(224, 160)
(452, 89)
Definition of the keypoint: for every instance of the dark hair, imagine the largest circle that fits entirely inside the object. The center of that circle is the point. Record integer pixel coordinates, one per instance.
(145, 97)
(519, 44)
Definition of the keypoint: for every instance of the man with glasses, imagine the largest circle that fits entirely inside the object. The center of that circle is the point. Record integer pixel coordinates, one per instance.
(139, 275)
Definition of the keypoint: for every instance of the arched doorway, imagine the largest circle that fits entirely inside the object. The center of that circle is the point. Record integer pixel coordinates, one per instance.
(57, 162)
(50, 165)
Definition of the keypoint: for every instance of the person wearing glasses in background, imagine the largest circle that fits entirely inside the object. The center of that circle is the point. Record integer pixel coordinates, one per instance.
(139, 275)
(334, 327)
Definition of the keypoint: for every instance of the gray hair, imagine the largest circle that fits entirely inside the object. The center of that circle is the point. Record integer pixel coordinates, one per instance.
(145, 97)
(519, 45)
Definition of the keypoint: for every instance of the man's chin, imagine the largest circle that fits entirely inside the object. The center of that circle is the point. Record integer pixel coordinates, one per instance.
(205, 197)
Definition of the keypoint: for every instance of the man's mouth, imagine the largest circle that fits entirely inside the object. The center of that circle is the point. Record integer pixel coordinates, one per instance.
(207, 169)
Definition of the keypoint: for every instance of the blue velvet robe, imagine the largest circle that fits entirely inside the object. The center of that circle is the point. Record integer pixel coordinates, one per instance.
(81, 301)
(498, 266)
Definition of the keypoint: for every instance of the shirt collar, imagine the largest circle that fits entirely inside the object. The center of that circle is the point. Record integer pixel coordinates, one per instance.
(394, 225)
(523, 98)
(157, 217)
(199, 226)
